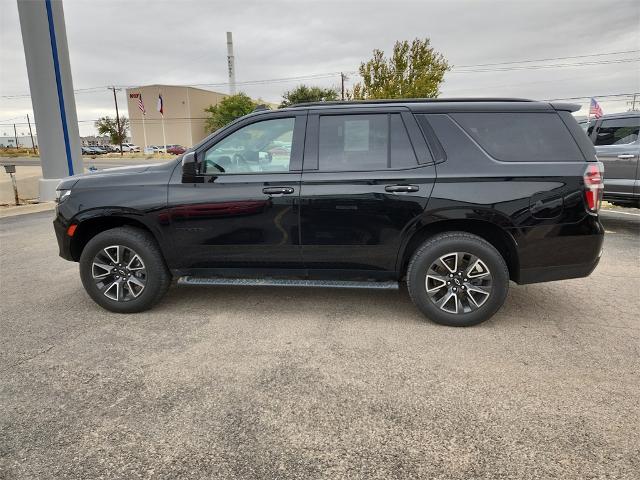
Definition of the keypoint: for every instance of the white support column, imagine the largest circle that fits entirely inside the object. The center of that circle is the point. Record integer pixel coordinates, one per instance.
(47, 56)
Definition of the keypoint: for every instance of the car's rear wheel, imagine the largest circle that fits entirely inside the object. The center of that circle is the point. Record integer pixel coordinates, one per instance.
(457, 279)
(123, 270)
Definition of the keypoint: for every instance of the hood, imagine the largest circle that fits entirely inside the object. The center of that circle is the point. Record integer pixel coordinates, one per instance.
(120, 170)
(69, 182)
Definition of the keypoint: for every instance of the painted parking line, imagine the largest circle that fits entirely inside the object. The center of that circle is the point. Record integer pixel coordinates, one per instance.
(622, 213)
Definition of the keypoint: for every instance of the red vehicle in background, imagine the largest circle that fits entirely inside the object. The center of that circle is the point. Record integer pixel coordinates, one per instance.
(176, 149)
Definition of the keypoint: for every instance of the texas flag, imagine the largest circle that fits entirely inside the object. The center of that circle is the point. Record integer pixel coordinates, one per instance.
(160, 106)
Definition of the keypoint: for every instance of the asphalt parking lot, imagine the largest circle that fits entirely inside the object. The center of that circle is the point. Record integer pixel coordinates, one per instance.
(294, 383)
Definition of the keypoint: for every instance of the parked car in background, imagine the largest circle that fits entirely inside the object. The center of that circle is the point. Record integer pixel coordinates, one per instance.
(455, 197)
(159, 148)
(128, 147)
(617, 142)
(92, 150)
(176, 149)
(99, 148)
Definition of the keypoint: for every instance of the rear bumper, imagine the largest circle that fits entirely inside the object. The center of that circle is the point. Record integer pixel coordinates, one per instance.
(559, 252)
(562, 272)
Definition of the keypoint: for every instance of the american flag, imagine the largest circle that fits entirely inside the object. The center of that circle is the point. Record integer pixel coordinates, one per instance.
(595, 109)
(141, 105)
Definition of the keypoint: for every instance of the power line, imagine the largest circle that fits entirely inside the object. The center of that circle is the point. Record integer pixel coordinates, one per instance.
(456, 69)
(592, 96)
(555, 65)
(548, 59)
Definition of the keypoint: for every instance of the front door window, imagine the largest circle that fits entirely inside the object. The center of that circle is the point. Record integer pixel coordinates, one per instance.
(262, 147)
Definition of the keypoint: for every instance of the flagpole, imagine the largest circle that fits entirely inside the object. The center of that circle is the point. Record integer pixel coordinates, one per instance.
(164, 138)
(144, 130)
(161, 110)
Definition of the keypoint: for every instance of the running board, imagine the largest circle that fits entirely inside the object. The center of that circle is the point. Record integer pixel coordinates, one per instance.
(277, 282)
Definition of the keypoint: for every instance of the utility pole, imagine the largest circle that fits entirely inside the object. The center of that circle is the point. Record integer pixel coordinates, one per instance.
(15, 134)
(633, 104)
(33, 144)
(342, 79)
(115, 99)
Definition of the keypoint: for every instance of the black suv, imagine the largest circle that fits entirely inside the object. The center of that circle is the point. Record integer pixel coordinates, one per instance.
(456, 197)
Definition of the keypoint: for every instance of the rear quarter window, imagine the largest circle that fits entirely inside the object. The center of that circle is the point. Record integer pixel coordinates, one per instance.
(521, 137)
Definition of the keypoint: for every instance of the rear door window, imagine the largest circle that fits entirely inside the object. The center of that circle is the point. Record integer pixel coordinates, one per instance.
(521, 137)
(364, 142)
(618, 131)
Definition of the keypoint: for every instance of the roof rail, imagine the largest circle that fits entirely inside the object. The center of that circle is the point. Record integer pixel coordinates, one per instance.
(409, 100)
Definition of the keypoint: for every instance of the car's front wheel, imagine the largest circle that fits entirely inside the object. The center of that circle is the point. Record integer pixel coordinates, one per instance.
(123, 270)
(458, 279)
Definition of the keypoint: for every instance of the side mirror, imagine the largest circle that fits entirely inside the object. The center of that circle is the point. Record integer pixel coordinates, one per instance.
(189, 168)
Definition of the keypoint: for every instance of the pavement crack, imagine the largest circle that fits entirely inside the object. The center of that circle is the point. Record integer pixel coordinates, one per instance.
(24, 360)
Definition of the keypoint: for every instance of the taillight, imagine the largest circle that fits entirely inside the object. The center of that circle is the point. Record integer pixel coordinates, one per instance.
(594, 185)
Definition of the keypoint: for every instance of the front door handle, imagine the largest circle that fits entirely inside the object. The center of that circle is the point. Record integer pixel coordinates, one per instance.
(278, 190)
(401, 188)
(626, 156)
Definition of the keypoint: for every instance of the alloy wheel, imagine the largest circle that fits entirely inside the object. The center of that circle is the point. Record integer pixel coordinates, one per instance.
(119, 273)
(458, 282)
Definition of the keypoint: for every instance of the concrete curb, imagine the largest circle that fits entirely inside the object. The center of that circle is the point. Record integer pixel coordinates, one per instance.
(13, 211)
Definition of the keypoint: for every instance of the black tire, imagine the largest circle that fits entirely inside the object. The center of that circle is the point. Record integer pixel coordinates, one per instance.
(157, 277)
(442, 245)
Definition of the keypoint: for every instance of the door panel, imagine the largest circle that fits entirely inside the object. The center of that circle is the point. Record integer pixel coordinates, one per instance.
(367, 178)
(230, 222)
(620, 166)
(350, 221)
(239, 220)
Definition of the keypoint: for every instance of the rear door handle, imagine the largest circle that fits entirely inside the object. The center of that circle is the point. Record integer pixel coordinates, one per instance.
(401, 188)
(278, 190)
(625, 156)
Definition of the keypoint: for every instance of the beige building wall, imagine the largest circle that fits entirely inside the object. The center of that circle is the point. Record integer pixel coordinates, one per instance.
(184, 116)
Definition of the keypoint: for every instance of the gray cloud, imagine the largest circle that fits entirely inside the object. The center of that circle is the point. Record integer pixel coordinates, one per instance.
(183, 42)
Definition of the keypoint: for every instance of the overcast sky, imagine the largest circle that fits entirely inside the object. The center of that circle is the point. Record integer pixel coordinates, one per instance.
(138, 42)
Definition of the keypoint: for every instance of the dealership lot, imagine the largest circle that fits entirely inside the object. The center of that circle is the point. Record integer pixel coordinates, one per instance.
(293, 383)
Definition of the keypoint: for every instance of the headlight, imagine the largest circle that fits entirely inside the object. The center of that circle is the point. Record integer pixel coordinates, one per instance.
(62, 195)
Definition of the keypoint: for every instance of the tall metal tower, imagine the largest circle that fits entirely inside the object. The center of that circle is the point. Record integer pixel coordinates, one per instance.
(231, 65)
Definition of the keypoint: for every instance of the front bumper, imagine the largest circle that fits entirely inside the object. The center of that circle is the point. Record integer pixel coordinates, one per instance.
(64, 240)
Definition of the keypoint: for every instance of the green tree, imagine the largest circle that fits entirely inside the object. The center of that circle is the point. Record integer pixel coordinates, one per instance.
(415, 70)
(109, 126)
(303, 93)
(229, 108)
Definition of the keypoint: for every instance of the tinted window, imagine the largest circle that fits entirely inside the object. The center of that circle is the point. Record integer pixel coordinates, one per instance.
(521, 137)
(363, 142)
(402, 154)
(260, 147)
(619, 131)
